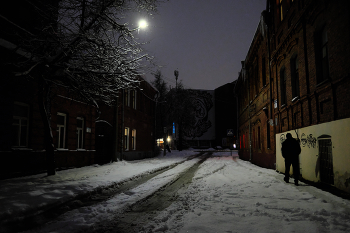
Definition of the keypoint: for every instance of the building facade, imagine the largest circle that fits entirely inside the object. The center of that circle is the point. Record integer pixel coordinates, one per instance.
(307, 62)
(82, 134)
(253, 91)
(126, 131)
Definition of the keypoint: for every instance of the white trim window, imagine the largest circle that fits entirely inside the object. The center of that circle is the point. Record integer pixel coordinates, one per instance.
(61, 130)
(133, 139)
(126, 98)
(133, 98)
(20, 125)
(80, 133)
(126, 139)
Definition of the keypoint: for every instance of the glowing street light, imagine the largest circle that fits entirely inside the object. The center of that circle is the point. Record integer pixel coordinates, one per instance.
(143, 24)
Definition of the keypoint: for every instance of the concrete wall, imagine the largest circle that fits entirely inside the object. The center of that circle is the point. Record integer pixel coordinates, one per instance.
(309, 157)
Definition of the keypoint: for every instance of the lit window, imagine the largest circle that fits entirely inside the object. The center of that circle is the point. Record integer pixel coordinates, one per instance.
(133, 139)
(126, 138)
(281, 10)
(80, 132)
(20, 125)
(61, 130)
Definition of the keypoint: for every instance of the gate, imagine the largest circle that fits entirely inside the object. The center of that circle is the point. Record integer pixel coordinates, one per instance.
(326, 160)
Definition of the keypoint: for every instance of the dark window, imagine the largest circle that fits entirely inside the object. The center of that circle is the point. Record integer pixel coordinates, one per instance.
(322, 55)
(290, 20)
(263, 62)
(61, 130)
(259, 142)
(20, 125)
(268, 135)
(80, 132)
(294, 67)
(126, 98)
(279, 38)
(257, 80)
(133, 98)
(254, 146)
(283, 86)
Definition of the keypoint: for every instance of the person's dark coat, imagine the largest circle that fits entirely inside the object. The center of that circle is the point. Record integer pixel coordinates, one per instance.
(290, 148)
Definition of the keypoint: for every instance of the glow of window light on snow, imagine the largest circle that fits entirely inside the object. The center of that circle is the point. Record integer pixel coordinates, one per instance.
(143, 24)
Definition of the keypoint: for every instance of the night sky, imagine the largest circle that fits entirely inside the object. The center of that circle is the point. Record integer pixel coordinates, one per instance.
(206, 40)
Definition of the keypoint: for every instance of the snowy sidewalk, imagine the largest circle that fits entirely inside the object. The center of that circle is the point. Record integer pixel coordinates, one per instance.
(27, 195)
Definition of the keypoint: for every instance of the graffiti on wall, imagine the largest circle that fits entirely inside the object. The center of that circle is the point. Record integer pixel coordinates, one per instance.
(308, 141)
(202, 103)
(282, 138)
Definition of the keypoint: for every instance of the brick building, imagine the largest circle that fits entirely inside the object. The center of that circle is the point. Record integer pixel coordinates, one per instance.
(254, 103)
(77, 127)
(131, 124)
(309, 80)
(21, 125)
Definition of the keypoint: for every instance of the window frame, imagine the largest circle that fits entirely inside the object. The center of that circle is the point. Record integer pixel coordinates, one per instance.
(80, 129)
(19, 128)
(263, 70)
(133, 98)
(126, 138)
(294, 69)
(133, 139)
(126, 98)
(280, 6)
(59, 126)
(283, 86)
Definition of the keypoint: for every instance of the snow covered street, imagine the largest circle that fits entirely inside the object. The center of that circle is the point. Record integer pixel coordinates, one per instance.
(231, 195)
(226, 195)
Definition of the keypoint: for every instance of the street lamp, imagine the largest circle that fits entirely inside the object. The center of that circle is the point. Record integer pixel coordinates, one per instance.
(142, 25)
(176, 73)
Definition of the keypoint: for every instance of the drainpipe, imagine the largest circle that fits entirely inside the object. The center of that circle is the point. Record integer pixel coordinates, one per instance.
(122, 126)
(267, 18)
(250, 134)
(306, 68)
(237, 109)
(115, 133)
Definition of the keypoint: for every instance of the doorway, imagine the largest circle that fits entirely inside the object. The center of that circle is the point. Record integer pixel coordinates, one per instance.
(326, 159)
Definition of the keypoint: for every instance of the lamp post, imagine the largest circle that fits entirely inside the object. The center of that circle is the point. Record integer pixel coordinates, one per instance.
(176, 73)
(142, 25)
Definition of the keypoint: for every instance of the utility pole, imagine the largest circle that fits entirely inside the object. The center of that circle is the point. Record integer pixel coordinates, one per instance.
(176, 73)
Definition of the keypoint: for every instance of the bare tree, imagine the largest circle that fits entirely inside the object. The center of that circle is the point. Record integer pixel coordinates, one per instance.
(162, 89)
(180, 109)
(85, 46)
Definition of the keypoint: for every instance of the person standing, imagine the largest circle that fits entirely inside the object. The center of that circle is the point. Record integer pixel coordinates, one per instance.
(290, 152)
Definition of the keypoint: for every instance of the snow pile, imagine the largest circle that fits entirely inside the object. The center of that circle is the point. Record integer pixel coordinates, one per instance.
(231, 195)
(27, 194)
